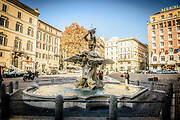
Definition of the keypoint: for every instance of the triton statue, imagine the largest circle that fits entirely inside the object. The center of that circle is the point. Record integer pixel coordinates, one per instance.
(89, 61)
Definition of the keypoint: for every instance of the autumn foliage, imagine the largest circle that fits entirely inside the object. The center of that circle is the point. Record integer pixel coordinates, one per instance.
(72, 40)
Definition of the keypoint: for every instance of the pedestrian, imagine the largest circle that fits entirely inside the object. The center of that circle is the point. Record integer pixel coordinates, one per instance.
(1, 79)
(99, 73)
(127, 78)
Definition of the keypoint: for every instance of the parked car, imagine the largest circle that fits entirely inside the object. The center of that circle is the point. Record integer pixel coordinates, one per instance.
(171, 71)
(51, 72)
(13, 72)
(139, 71)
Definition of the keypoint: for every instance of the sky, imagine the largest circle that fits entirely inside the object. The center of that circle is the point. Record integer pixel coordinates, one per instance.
(111, 18)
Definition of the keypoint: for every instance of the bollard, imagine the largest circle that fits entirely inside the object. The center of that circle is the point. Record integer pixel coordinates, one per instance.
(4, 101)
(113, 108)
(166, 109)
(10, 87)
(16, 85)
(59, 108)
(37, 80)
(152, 86)
(137, 82)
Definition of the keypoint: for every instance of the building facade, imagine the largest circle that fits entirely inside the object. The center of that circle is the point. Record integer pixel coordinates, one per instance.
(47, 47)
(128, 54)
(18, 27)
(164, 39)
(100, 46)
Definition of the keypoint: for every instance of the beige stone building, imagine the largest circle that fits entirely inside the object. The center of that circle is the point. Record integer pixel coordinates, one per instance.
(47, 47)
(100, 46)
(18, 27)
(128, 54)
(164, 39)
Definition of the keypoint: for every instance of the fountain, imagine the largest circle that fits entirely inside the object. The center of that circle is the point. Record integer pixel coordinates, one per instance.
(88, 87)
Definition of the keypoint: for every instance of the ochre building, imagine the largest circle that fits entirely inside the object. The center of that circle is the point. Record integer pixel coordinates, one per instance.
(18, 27)
(164, 39)
(47, 47)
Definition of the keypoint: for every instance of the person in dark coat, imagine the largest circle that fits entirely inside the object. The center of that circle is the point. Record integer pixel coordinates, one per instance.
(101, 76)
(1, 79)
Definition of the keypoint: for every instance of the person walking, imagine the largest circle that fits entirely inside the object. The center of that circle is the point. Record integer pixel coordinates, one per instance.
(99, 73)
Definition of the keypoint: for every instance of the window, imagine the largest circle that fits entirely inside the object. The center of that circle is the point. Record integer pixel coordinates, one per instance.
(153, 26)
(178, 22)
(50, 40)
(19, 15)
(17, 44)
(171, 57)
(39, 34)
(154, 51)
(162, 50)
(50, 48)
(1, 54)
(4, 8)
(170, 36)
(154, 58)
(179, 42)
(169, 30)
(3, 40)
(170, 43)
(162, 44)
(19, 27)
(4, 21)
(153, 38)
(45, 37)
(162, 17)
(44, 47)
(169, 23)
(29, 46)
(38, 45)
(170, 15)
(153, 32)
(162, 58)
(178, 12)
(170, 49)
(161, 25)
(178, 28)
(153, 19)
(30, 20)
(178, 35)
(162, 38)
(154, 44)
(30, 31)
(161, 31)
(56, 41)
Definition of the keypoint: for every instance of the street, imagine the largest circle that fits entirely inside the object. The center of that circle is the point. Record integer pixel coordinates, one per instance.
(162, 78)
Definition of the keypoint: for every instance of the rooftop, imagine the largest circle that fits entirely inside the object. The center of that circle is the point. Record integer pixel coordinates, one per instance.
(25, 7)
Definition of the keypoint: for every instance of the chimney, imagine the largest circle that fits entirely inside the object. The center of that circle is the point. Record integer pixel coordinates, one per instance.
(36, 9)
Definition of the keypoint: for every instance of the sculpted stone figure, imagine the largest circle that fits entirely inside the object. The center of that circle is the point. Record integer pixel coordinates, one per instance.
(89, 61)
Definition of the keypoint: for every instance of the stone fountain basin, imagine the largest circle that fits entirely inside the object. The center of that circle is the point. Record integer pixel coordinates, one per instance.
(49, 91)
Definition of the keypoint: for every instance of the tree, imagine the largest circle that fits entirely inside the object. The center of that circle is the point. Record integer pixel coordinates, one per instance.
(72, 40)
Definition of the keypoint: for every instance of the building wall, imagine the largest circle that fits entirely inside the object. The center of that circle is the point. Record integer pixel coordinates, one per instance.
(128, 54)
(47, 57)
(168, 21)
(9, 54)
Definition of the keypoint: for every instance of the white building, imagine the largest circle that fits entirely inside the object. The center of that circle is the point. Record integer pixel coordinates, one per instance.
(128, 54)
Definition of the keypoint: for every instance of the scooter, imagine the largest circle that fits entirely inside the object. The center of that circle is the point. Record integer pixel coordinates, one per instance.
(29, 76)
